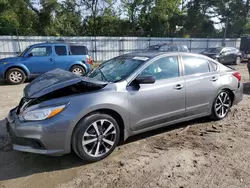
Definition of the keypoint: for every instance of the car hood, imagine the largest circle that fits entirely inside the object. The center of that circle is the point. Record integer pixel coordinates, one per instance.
(55, 80)
(10, 59)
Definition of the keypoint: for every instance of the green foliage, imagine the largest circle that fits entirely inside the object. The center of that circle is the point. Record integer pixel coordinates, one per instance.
(155, 18)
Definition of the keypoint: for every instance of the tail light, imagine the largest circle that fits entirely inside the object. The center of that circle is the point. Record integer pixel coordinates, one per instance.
(237, 75)
(89, 60)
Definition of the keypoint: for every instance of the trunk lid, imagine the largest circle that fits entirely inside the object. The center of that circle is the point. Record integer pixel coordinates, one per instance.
(56, 80)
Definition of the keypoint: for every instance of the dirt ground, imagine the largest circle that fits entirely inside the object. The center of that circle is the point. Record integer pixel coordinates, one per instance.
(194, 154)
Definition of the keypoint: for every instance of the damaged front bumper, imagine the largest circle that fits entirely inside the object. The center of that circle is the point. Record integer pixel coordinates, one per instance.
(41, 137)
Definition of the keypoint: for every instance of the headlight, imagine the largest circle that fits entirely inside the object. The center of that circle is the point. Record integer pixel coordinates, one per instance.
(43, 113)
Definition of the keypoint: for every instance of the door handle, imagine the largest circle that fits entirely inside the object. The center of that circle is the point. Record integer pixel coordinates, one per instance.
(178, 87)
(50, 59)
(213, 79)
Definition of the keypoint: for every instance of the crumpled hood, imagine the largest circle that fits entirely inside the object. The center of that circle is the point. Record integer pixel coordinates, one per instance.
(55, 80)
(11, 59)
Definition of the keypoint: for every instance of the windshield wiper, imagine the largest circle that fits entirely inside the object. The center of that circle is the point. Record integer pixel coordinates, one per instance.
(102, 74)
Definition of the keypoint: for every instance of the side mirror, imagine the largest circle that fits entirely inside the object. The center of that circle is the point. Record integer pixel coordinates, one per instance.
(30, 55)
(145, 79)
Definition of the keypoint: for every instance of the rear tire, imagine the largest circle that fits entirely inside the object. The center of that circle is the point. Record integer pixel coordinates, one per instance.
(95, 137)
(15, 76)
(221, 105)
(78, 70)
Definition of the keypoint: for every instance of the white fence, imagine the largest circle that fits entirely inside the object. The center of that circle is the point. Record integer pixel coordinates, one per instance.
(103, 48)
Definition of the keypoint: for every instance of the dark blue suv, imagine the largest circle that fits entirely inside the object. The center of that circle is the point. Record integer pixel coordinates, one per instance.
(40, 58)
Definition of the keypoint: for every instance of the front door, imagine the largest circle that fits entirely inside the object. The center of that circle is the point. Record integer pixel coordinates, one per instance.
(164, 101)
(201, 85)
(39, 60)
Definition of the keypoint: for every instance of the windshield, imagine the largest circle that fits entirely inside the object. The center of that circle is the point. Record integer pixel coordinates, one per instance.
(116, 69)
(213, 50)
(24, 52)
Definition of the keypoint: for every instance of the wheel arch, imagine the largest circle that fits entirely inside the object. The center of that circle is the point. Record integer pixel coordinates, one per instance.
(24, 69)
(231, 93)
(117, 116)
(78, 64)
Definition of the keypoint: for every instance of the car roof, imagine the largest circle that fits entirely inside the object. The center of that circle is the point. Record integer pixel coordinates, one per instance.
(152, 54)
(53, 43)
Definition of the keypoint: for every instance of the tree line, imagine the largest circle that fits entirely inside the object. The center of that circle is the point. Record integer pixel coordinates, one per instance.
(145, 18)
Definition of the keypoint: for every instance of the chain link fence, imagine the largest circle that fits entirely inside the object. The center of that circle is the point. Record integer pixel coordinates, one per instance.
(103, 48)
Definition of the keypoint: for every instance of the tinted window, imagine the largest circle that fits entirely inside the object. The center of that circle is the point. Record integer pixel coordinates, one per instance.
(78, 50)
(154, 47)
(61, 50)
(213, 50)
(169, 48)
(195, 65)
(166, 67)
(41, 51)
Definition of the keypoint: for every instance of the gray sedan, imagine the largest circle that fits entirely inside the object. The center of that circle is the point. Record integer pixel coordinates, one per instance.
(124, 96)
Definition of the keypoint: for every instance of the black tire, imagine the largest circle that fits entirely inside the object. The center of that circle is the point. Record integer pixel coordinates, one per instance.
(85, 125)
(77, 69)
(19, 79)
(215, 115)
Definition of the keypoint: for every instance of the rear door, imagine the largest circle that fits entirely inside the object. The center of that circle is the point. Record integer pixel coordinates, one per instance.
(39, 59)
(232, 55)
(62, 56)
(201, 84)
(161, 102)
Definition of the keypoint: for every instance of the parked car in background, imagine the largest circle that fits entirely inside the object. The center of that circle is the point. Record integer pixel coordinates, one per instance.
(124, 96)
(165, 47)
(40, 58)
(245, 47)
(224, 55)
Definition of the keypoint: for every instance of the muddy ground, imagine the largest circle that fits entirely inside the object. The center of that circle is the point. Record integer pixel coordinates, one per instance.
(194, 154)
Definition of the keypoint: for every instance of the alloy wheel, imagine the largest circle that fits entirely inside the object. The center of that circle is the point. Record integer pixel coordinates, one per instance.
(78, 71)
(222, 104)
(15, 77)
(99, 138)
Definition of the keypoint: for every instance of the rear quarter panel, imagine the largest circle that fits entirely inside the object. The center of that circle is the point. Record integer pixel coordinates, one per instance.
(78, 60)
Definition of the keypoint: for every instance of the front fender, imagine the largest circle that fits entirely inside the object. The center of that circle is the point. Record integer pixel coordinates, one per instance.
(16, 65)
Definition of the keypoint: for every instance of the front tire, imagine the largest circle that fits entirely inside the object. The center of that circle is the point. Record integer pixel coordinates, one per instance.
(15, 76)
(221, 105)
(95, 137)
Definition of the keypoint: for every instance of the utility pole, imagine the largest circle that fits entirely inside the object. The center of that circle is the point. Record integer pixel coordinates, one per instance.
(225, 33)
(226, 26)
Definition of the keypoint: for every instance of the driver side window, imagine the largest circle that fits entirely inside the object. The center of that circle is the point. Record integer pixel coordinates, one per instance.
(163, 68)
(41, 51)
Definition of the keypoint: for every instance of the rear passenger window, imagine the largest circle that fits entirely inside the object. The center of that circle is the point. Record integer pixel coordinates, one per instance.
(61, 50)
(78, 50)
(195, 65)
